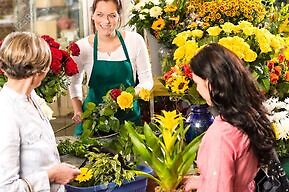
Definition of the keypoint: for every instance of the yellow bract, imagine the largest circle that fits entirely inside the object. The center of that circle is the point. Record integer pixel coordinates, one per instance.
(125, 100)
(85, 175)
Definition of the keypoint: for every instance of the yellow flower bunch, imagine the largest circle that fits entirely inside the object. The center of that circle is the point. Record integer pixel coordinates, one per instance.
(218, 12)
(163, 18)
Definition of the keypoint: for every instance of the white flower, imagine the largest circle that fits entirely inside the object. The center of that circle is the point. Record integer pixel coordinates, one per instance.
(155, 11)
(155, 2)
(169, 2)
(47, 111)
(279, 115)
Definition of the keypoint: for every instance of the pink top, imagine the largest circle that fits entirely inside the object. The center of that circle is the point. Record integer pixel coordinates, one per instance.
(226, 162)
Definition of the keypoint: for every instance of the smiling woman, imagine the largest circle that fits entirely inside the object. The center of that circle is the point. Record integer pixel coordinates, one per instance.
(110, 58)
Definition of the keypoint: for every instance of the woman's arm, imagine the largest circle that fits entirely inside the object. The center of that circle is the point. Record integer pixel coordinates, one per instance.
(77, 109)
(143, 65)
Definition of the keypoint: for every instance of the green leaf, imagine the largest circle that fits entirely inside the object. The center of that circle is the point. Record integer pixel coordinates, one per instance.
(152, 140)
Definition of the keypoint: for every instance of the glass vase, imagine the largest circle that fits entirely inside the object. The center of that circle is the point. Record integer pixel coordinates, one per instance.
(199, 120)
(166, 58)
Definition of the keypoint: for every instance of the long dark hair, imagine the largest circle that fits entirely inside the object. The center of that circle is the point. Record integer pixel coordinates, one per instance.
(234, 94)
(116, 2)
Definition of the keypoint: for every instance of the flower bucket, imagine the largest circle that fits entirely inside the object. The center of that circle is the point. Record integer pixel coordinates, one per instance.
(137, 185)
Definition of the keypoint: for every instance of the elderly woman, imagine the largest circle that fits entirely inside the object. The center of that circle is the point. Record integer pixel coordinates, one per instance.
(29, 160)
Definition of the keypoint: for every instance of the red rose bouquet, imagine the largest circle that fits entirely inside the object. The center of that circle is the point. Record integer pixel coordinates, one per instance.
(62, 67)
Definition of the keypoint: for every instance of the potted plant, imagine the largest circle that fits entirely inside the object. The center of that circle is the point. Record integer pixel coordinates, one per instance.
(166, 150)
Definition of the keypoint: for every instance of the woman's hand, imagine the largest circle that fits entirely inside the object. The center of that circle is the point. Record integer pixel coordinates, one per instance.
(62, 173)
(190, 182)
(77, 117)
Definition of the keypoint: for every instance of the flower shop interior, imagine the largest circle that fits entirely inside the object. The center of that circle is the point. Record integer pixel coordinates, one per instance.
(257, 31)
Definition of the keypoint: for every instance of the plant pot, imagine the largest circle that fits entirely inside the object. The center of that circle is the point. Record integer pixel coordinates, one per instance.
(199, 120)
(137, 185)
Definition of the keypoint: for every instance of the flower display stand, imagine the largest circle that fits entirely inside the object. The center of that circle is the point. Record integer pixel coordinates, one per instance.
(137, 185)
(153, 47)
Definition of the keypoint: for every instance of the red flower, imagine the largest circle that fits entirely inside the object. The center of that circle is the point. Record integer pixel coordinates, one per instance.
(74, 49)
(281, 58)
(115, 93)
(1, 42)
(274, 78)
(278, 70)
(187, 71)
(70, 67)
(270, 64)
(51, 42)
(1, 72)
(287, 76)
(55, 66)
(168, 74)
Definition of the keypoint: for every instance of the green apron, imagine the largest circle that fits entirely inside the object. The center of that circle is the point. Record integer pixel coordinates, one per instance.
(108, 75)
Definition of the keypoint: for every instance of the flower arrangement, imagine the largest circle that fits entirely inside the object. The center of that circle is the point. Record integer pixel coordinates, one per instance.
(62, 67)
(166, 153)
(102, 118)
(178, 80)
(279, 75)
(252, 44)
(279, 116)
(163, 18)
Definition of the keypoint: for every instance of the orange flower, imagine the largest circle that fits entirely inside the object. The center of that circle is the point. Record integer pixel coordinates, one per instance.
(158, 24)
(278, 70)
(274, 78)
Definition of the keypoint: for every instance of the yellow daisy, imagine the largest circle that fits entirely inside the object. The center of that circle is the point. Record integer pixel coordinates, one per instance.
(85, 175)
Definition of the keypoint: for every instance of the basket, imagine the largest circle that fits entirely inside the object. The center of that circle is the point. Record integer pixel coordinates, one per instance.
(137, 185)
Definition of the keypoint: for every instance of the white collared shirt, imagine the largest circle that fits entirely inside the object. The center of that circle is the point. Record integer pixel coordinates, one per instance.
(27, 144)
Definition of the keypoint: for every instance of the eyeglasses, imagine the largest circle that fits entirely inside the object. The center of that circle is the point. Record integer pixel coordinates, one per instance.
(111, 16)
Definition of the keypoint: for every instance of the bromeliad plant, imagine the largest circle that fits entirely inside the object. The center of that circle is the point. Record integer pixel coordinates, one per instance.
(166, 153)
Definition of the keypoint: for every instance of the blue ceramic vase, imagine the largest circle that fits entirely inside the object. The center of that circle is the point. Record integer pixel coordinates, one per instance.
(199, 120)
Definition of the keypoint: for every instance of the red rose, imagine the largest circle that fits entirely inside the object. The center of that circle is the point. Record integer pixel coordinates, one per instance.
(115, 93)
(56, 54)
(51, 42)
(70, 67)
(55, 66)
(74, 49)
(1, 42)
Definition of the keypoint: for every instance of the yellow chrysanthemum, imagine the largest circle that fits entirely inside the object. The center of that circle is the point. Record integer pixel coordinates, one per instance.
(228, 27)
(145, 94)
(214, 31)
(85, 175)
(276, 131)
(125, 100)
(158, 24)
(286, 53)
(179, 40)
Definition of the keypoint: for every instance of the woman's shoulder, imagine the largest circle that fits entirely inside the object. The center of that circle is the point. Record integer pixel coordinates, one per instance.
(131, 35)
(83, 42)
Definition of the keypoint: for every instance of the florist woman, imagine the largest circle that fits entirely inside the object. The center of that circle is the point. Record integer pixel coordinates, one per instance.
(240, 139)
(110, 58)
(29, 160)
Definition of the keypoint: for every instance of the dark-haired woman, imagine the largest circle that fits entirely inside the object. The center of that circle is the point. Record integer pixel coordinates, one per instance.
(241, 139)
(110, 58)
